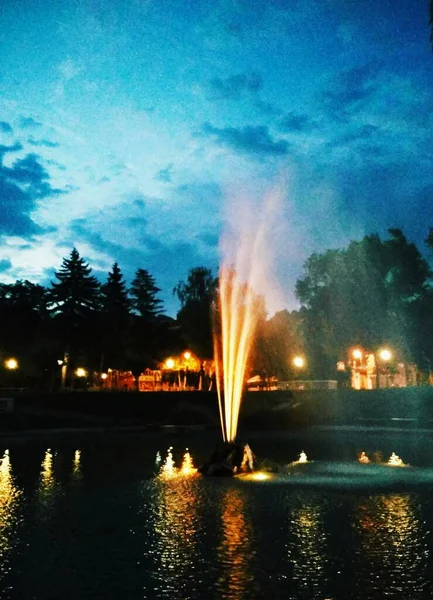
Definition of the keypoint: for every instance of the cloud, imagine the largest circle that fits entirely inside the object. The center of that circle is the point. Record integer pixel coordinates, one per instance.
(236, 86)
(21, 185)
(164, 175)
(249, 139)
(42, 142)
(5, 127)
(29, 123)
(296, 123)
(358, 134)
(5, 265)
(209, 239)
(350, 91)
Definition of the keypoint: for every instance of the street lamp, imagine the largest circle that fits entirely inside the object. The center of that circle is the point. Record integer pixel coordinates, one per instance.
(357, 354)
(11, 364)
(169, 363)
(385, 355)
(298, 362)
(80, 372)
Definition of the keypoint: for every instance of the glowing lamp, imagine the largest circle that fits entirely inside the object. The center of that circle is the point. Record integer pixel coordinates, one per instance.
(169, 363)
(385, 354)
(104, 375)
(11, 363)
(299, 362)
(80, 372)
(187, 355)
(357, 354)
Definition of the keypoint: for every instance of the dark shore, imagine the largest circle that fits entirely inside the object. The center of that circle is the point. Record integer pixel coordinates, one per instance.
(171, 412)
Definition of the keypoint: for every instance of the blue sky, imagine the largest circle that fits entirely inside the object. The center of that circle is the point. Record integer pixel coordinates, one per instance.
(127, 127)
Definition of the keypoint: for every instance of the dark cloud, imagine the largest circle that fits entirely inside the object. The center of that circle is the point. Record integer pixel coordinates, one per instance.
(21, 186)
(210, 239)
(267, 108)
(5, 265)
(358, 134)
(235, 87)
(5, 149)
(296, 123)
(29, 123)
(5, 127)
(350, 91)
(249, 139)
(165, 174)
(42, 142)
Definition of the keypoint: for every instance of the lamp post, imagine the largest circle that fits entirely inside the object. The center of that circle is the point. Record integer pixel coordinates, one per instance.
(299, 363)
(385, 356)
(11, 364)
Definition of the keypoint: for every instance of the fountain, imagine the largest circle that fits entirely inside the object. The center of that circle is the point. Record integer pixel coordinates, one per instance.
(243, 271)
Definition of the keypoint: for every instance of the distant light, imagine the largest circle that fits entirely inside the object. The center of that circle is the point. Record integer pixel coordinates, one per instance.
(187, 355)
(80, 372)
(357, 354)
(298, 361)
(11, 363)
(341, 366)
(385, 354)
(169, 363)
(104, 375)
(59, 361)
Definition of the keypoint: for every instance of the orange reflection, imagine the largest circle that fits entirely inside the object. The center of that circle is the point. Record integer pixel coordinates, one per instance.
(10, 496)
(308, 549)
(76, 466)
(236, 549)
(175, 526)
(48, 487)
(393, 544)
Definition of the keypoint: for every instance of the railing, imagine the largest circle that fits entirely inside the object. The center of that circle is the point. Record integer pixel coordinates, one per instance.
(316, 384)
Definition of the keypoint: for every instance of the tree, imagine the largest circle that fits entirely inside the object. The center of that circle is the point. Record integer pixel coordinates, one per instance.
(144, 294)
(148, 326)
(366, 294)
(114, 319)
(74, 301)
(24, 327)
(196, 296)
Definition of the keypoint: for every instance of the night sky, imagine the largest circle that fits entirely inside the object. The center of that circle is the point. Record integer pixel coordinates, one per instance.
(127, 126)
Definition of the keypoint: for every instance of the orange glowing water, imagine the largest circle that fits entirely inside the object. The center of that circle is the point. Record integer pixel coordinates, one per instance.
(245, 273)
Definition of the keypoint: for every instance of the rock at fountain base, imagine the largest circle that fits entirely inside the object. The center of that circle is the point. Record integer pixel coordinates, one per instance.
(230, 459)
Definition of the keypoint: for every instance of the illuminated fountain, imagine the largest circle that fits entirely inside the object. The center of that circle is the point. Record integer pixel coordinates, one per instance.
(245, 270)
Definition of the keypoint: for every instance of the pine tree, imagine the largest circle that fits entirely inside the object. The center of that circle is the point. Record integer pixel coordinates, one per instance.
(115, 315)
(76, 293)
(148, 330)
(114, 295)
(74, 301)
(144, 293)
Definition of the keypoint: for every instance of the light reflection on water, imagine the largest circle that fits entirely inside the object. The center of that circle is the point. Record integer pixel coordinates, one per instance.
(10, 518)
(236, 550)
(175, 525)
(306, 550)
(105, 528)
(393, 544)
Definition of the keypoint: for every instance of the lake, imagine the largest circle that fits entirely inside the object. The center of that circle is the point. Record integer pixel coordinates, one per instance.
(86, 516)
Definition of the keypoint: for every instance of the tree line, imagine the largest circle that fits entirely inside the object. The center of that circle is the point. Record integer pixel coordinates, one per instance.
(372, 293)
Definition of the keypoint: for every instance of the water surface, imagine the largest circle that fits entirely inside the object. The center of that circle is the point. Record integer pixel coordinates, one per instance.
(88, 518)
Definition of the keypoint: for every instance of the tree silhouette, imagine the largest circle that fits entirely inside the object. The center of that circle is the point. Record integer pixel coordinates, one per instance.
(196, 296)
(114, 320)
(147, 326)
(144, 293)
(74, 300)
